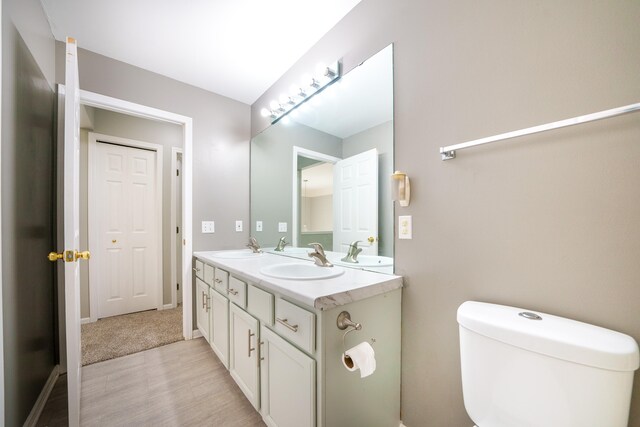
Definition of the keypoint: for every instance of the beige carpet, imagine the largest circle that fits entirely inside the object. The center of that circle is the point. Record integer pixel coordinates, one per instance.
(130, 333)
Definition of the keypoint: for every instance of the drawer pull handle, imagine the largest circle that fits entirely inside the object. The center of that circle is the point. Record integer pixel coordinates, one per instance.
(232, 291)
(249, 335)
(218, 281)
(284, 322)
(196, 269)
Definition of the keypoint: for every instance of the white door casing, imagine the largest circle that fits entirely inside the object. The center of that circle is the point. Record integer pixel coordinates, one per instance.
(310, 154)
(355, 202)
(125, 233)
(176, 224)
(72, 229)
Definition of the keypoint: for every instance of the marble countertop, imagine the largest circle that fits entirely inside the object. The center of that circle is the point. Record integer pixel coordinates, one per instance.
(353, 285)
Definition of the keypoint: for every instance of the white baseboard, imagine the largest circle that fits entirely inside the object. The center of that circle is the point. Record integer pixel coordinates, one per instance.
(197, 333)
(402, 425)
(86, 320)
(167, 306)
(36, 411)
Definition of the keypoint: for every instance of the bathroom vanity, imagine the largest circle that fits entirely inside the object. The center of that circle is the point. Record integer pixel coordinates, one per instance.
(280, 339)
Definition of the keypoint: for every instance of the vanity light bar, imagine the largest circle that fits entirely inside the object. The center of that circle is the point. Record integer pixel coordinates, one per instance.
(325, 76)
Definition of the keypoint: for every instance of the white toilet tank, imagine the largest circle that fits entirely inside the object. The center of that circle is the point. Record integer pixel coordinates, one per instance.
(523, 369)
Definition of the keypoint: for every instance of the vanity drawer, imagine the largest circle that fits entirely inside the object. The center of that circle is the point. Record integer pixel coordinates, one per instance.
(221, 281)
(260, 304)
(237, 292)
(296, 324)
(199, 269)
(208, 274)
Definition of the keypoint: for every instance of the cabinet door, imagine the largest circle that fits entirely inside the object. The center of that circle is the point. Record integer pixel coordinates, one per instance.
(202, 308)
(219, 327)
(288, 383)
(243, 356)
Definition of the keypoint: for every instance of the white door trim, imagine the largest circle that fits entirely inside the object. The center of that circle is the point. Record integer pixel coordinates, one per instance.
(121, 106)
(94, 232)
(1, 285)
(294, 184)
(174, 223)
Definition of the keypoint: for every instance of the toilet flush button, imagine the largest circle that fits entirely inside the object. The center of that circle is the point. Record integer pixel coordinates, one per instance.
(529, 315)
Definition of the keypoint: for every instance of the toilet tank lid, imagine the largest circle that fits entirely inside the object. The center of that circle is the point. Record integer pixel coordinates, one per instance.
(551, 335)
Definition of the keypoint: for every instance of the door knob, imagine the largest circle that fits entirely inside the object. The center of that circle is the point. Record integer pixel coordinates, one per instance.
(82, 255)
(54, 256)
(371, 239)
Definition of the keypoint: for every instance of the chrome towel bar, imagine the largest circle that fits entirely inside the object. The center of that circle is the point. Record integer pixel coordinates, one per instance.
(449, 152)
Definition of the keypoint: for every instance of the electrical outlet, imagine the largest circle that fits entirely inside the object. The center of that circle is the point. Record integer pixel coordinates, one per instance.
(208, 227)
(258, 225)
(404, 227)
(238, 225)
(282, 227)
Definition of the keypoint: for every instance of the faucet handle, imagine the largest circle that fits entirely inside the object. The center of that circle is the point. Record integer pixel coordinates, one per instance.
(355, 244)
(317, 247)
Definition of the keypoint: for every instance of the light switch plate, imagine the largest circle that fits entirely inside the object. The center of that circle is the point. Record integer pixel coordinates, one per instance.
(238, 225)
(258, 225)
(208, 227)
(404, 227)
(282, 227)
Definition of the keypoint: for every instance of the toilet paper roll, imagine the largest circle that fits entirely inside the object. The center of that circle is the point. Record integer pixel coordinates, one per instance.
(361, 357)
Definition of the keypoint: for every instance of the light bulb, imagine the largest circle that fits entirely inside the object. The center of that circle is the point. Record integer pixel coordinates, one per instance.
(274, 105)
(265, 112)
(284, 99)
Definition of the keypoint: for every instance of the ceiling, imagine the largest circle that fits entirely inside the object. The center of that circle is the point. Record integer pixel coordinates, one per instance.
(236, 48)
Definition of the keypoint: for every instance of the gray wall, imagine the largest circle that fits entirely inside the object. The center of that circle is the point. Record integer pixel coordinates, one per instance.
(166, 134)
(220, 139)
(547, 222)
(271, 182)
(27, 205)
(381, 138)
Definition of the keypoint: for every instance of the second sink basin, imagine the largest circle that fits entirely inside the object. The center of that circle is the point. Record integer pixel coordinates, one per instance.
(298, 271)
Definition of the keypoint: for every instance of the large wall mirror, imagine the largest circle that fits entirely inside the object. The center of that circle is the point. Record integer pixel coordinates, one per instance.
(322, 173)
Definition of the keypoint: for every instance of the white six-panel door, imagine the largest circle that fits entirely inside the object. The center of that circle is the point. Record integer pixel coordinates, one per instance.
(355, 202)
(122, 196)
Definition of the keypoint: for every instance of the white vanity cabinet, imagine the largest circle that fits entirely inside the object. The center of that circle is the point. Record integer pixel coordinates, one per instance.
(202, 307)
(287, 383)
(243, 355)
(219, 326)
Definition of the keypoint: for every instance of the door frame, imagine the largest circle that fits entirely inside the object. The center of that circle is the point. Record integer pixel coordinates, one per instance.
(174, 224)
(94, 233)
(310, 154)
(92, 99)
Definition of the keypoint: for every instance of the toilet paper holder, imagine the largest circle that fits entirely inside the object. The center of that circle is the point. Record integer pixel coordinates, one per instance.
(344, 321)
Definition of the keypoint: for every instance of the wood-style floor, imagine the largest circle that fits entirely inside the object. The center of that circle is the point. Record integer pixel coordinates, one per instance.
(180, 384)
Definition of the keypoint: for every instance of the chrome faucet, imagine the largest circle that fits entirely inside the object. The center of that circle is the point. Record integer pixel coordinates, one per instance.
(319, 256)
(254, 246)
(281, 244)
(352, 253)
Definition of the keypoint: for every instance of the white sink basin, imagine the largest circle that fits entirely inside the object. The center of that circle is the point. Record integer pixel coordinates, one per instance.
(366, 261)
(234, 254)
(298, 271)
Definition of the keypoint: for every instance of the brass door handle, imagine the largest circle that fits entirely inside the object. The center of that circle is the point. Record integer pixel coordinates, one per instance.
(114, 241)
(55, 256)
(82, 255)
(371, 239)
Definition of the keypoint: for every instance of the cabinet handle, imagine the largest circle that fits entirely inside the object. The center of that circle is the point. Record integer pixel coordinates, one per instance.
(208, 305)
(196, 269)
(203, 301)
(232, 291)
(260, 353)
(218, 281)
(284, 322)
(249, 335)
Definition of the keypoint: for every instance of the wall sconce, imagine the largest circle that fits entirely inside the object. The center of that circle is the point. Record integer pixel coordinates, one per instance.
(311, 85)
(401, 188)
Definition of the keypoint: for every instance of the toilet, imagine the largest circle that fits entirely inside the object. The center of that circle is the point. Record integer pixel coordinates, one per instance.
(527, 369)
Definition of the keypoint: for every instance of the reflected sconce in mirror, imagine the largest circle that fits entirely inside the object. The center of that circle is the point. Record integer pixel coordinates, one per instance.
(310, 86)
(401, 188)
